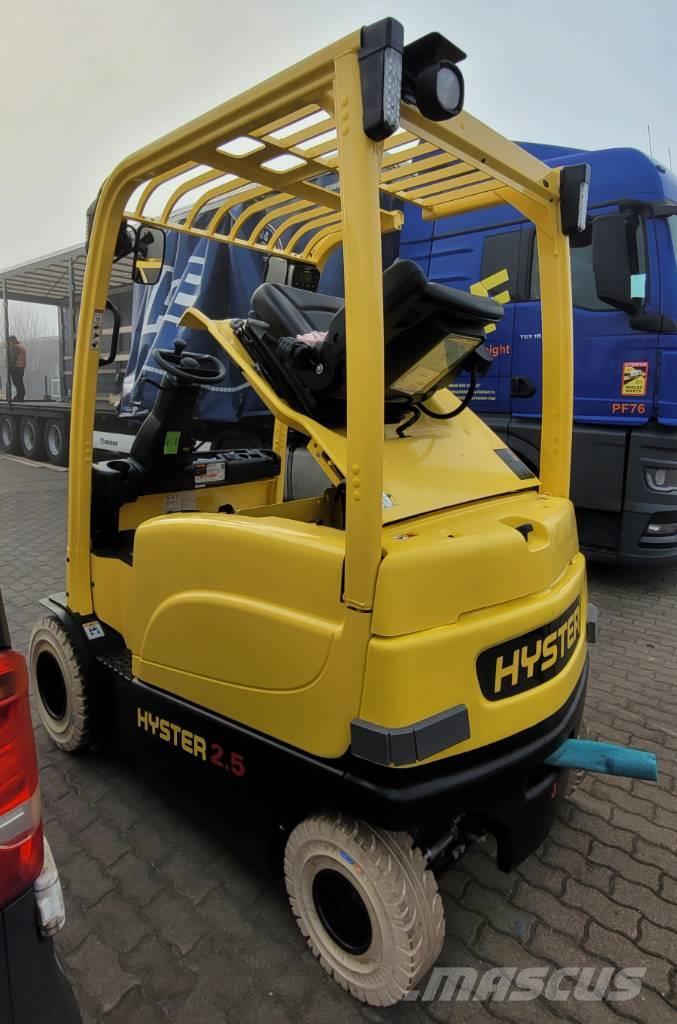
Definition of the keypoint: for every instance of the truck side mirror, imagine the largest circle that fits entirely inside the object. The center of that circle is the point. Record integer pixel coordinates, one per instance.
(613, 261)
(149, 254)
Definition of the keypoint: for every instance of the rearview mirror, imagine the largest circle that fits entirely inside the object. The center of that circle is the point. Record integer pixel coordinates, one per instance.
(614, 262)
(149, 254)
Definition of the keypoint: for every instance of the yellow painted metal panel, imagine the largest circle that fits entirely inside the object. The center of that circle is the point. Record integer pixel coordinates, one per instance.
(415, 676)
(271, 643)
(362, 278)
(439, 567)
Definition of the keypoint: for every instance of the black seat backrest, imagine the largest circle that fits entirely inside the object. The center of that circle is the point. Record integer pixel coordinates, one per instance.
(291, 311)
(417, 316)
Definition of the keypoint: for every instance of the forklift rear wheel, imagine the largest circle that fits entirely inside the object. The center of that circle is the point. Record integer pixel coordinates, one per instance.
(9, 440)
(60, 685)
(367, 904)
(31, 437)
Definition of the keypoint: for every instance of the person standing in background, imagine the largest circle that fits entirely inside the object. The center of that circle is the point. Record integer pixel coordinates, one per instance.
(17, 366)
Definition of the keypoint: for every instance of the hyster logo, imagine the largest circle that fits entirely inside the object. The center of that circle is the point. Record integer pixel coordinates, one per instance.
(173, 734)
(529, 660)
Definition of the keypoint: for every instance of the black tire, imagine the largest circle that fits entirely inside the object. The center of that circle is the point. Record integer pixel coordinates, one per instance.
(56, 442)
(366, 903)
(9, 435)
(32, 437)
(60, 685)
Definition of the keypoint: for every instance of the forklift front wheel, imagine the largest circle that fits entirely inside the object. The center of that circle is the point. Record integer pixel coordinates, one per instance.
(367, 904)
(60, 685)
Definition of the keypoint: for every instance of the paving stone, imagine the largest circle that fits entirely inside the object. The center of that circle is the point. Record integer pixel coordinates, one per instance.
(662, 942)
(571, 864)
(119, 920)
(602, 909)
(551, 911)
(187, 877)
(85, 879)
(598, 828)
(174, 921)
(101, 974)
(624, 864)
(150, 845)
(542, 876)
(645, 902)
(73, 812)
(482, 867)
(657, 856)
(103, 842)
(624, 953)
(136, 1008)
(164, 977)
(656, 834)
(501, 915)
(141, 881)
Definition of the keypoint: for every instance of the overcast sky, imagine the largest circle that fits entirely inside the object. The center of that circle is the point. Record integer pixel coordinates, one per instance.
(83, 82)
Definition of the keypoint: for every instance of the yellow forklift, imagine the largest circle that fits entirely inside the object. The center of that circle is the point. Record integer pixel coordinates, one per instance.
(393, 659)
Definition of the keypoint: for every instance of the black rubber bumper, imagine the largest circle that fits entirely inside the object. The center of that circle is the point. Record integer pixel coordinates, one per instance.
(33, 988)
(506, 787)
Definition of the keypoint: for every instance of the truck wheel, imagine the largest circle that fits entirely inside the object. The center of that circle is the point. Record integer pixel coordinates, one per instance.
(9, 439)
(31, 437)
(56, 442)
(60, 685)
(366, 903)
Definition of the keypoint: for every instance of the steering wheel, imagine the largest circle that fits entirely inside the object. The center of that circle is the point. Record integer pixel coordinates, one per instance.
(189, 367)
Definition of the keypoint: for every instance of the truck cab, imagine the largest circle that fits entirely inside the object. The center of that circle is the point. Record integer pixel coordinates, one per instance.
(624, 478)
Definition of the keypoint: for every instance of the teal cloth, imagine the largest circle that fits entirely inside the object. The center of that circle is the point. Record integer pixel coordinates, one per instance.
(606, 758)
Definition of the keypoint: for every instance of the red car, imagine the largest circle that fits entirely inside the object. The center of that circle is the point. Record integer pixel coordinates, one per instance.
(33, 988)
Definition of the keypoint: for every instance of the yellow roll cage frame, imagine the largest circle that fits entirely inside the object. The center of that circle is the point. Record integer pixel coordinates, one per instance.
(298, 126)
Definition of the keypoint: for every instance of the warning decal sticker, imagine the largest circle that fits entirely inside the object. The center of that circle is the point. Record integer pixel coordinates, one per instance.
(97, 328)
(635, 379)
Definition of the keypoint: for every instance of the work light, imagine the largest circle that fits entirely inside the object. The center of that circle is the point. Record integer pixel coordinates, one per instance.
(431, 79)
(439, 91)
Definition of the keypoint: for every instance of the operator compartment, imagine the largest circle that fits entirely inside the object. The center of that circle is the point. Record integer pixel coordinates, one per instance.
(166, 471)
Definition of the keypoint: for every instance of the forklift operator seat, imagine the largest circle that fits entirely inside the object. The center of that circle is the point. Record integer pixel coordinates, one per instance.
(291, 311)
(429, 330)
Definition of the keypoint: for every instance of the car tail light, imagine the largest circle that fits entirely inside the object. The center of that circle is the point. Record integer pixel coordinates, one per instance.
(21, 845)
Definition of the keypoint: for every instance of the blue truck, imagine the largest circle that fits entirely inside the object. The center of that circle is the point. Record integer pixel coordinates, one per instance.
(624, 280)
(624, 284)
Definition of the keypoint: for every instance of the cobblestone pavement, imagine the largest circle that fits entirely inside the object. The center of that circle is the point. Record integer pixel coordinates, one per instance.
(174, 915)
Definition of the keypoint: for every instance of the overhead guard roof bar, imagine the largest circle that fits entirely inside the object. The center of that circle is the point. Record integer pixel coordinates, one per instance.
(270, 183)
